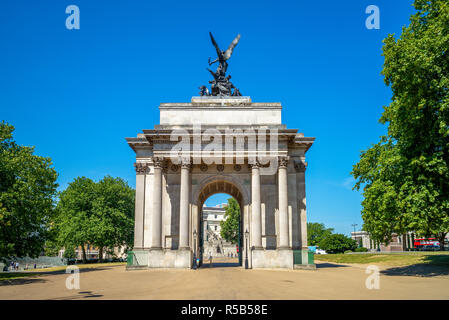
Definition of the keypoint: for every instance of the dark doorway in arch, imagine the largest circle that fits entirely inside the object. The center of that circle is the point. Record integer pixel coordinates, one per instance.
(224, 253)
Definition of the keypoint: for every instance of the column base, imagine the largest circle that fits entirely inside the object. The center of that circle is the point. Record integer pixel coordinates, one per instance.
(272, 259)
(304, 267)
(181, 258)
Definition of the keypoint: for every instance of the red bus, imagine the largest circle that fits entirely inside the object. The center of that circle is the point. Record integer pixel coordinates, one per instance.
(426, 244)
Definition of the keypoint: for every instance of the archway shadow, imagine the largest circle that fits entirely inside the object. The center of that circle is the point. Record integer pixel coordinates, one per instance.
(220, 265)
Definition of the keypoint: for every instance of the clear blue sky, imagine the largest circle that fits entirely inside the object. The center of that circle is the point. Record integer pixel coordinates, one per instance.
(76, 94)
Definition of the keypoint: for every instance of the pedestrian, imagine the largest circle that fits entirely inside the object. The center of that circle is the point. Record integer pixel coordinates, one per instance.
(11, 266)
(210, 261)
(17, 266)
(34, 266)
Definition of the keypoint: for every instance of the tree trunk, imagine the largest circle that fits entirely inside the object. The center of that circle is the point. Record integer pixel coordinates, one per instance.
(84, 253)
(441, 237)
(100, 254)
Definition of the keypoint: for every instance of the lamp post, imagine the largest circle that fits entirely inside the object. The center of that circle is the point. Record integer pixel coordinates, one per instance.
(246, 248)
(355, 238)
(194, 249)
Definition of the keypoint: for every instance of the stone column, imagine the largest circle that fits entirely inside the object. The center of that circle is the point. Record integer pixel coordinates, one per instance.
(141, 169)
(283, 203)
(184, 205)
(156, 217)
(300, 167)
(256, 222)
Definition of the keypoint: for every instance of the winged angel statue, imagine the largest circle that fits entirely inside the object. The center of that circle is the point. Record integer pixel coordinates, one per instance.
(221, 86)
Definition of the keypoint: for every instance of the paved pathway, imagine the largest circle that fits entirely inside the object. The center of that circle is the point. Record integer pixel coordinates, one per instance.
(330, 281)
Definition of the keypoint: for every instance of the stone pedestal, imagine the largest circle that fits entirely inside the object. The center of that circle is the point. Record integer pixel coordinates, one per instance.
(144, 259)
(280, 258)
(170, 259)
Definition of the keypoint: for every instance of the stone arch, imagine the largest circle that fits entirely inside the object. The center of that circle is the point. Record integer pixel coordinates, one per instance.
(221, 184)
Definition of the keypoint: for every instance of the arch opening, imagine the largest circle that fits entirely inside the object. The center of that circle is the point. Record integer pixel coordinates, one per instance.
(211, 245)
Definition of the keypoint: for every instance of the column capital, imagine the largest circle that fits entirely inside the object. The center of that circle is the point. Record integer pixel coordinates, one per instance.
(283, 161)
(300, 166)
(186, 163)
(141, 167)
(254, 165)
(158, 162)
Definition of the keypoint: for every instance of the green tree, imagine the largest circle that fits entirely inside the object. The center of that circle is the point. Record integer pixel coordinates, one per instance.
(317, 232)
(405, 176)
(27, 188)
(230, 226)
(99, 214)
(74, 213)
(112, 221)
(69, 252)
(337, 243)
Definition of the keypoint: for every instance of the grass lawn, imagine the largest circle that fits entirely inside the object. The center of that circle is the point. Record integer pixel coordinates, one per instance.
(36, 272)
(393, 259)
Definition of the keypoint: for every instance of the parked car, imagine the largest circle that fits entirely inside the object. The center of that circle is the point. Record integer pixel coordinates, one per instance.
(320, 251)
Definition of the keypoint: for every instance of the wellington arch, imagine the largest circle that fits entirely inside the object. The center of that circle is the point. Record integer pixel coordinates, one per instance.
(228, 145)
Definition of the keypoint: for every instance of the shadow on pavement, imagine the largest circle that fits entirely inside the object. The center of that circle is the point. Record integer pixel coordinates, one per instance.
(20, 281)
(34, 277)
(81, 295)
(220, 265)
(417, 270)
(89, 294)
(320, 265)
(437, 265)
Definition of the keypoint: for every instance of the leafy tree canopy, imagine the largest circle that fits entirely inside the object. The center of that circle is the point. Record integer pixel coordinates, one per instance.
(100, 214)
(317, 232)
(230, 226)
(27, 188)
(405, 176)
(337, 243)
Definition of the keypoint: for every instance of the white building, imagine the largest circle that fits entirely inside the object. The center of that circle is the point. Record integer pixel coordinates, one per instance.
(212, 216)
(213, 244)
